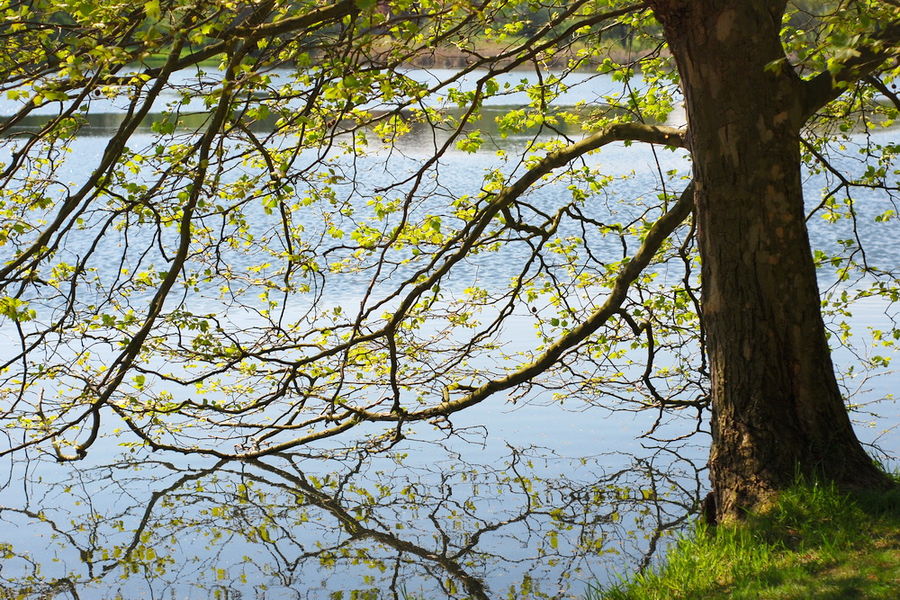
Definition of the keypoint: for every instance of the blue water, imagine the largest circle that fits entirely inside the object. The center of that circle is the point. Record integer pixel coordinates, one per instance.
(560, 487)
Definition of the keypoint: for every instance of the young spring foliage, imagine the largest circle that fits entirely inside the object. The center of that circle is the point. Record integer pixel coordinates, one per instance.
(269, 249)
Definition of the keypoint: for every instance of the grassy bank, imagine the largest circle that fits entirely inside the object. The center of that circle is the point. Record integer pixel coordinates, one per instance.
(815, 543)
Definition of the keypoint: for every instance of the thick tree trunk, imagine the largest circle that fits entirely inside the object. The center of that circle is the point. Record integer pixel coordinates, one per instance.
(777, 409)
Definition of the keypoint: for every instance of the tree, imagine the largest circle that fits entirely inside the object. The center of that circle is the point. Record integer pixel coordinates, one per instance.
(777, 405)
(188, 285)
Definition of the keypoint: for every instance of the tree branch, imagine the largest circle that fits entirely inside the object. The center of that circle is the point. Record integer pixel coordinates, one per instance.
(655, 237)
(349, 417)
(867, 58)
(888, 93)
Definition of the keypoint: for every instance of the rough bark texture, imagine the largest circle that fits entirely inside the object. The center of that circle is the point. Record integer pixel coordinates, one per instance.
(777, 408)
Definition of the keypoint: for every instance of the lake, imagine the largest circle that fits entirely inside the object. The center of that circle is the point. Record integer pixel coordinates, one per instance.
(539, 493)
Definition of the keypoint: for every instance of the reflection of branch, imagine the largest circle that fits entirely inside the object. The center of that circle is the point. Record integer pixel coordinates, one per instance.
(349, 516)
(86, 555)
(154, 498)
(353, 527)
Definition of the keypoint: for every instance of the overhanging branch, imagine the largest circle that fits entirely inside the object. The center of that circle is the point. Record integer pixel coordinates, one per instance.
(657, 234)
(347, 417)
(867, 58)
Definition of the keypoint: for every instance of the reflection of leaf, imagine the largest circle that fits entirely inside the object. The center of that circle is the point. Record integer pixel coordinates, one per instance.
(315, 526)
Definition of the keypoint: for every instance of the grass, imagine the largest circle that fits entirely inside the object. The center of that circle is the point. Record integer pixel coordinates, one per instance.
(814, 543)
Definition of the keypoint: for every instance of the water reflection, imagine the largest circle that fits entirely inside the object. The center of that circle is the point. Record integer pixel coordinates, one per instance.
(531, 525)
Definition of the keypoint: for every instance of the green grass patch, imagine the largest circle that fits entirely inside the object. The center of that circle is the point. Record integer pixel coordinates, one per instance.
(814, 543)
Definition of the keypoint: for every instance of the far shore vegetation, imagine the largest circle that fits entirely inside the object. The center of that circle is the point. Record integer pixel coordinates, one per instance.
(451, 57)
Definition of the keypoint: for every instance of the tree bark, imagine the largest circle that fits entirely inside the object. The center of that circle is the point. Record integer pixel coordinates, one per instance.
(777, 409)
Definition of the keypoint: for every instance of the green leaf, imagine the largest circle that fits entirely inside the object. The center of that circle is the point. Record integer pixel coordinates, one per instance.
(152, 9)
(471, 143)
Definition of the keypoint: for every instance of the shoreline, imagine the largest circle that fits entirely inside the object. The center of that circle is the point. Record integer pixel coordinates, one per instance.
(450, 57)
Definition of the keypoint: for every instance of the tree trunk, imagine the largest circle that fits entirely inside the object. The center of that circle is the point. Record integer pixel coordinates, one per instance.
(777, 408)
